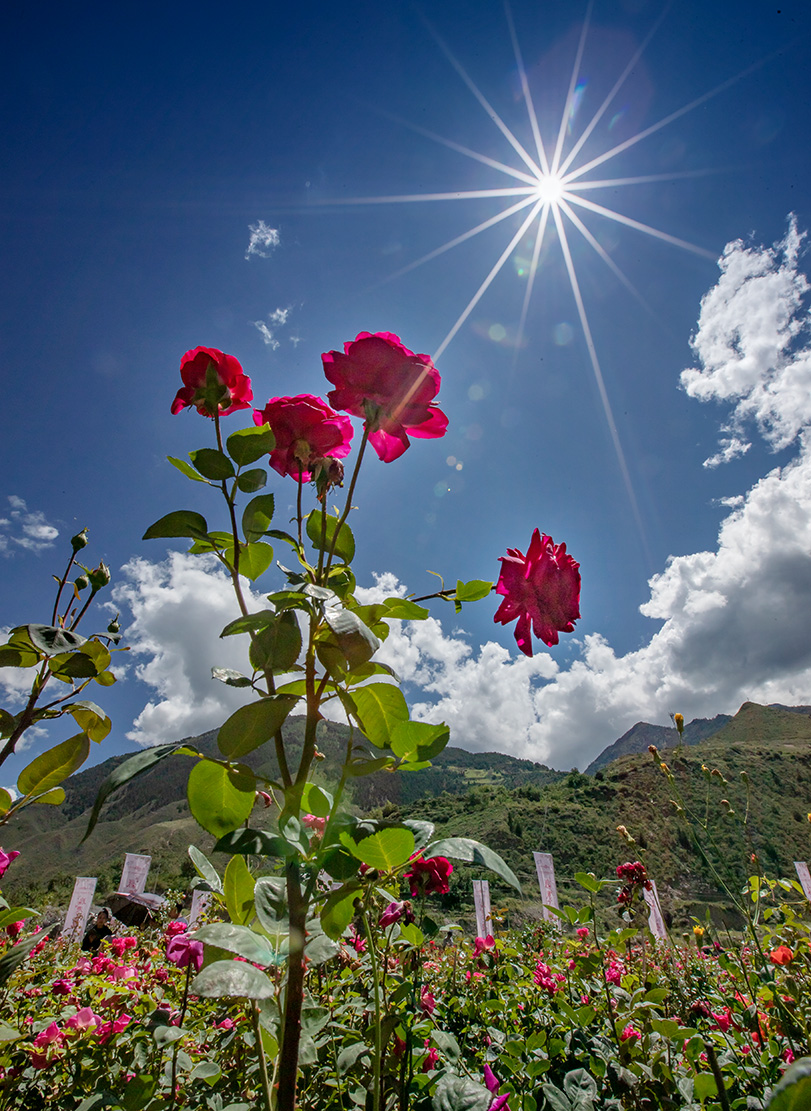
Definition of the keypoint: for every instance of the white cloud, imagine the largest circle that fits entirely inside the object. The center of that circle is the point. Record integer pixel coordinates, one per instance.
(24, 528)
(179, 608)
(278, 319)
(263, 240)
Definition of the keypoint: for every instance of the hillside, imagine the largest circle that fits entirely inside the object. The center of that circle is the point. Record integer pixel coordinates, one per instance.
(512, 805)
(643, 734)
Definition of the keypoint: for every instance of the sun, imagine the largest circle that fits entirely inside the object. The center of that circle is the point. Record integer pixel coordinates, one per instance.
(550, 189)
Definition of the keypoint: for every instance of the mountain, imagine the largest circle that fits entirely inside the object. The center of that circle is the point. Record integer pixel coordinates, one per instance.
(643, 734)
(515, 806)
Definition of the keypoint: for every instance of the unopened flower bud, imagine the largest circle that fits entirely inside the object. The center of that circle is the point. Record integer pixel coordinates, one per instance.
(698, 931)
(625, 835)
(114, 626)
(678, 721)
(79, 541)
(99, 576)
(81, 582)
(318, 755)
(727, 806)
(654, 751)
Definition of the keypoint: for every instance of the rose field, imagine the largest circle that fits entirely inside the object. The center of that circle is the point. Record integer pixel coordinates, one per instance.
(325, 972)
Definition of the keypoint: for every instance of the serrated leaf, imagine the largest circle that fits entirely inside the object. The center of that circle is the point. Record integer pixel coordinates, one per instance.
(339, 909)
(49, 768)
(256, 517)
(250, 481)
(185, 468)
(246, 445)
(254, 560)
(473, 852)
(181, 523)
(473, 590)
(51, 640)
(220, 798)
(14, 957)
(417, 740)
(250, 726)
(386, 850)
(212, 464)
(380, 706)
(460, 1093)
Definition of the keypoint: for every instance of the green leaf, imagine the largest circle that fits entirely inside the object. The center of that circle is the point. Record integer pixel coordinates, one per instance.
(380, 706)
(447, 1043)
(387, 849)
(369, 767)
(5, 801)
(277, 646)
(460, 1093)
(411, 933)
(250, 726)
(185, 468)
(269, 895)
(14, 957)
(49, 768)
(344, 545)
(209, 1071)
(472, 852)
(473, 590)
(590, 881)
(17, 914)
(417, 740)
(8, 1033)
(250, 481)
(220, 798)
(704, 1086)
(51, 640)
(250, 623)
(17, 657)
(254, 559)
(205, 869)
(54, 797)
(793, 1093)
(315, 800)
(238, 890)
(183, 522)
(354, 638)
(257, 516)
(72, 665)
(231, 980)
(130, 769)
(212, 464)
(339, 909)
(91, 718)
(401, 609)
(246, 445)
(253, 842)
(230, 677)
(138, 1092)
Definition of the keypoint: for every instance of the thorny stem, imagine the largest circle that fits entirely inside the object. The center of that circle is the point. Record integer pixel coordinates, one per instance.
(263, 1065)
(349, 493)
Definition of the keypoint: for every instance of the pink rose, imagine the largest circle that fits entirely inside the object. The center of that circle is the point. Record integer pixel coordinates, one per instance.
(307, 431)
(427, 1002)
(176, 927)
(6, 859)
(314, 824)
(393, 389)
(83, 1020)
(183, 951)
(213, 383)
(62, 987)
(541, 589)
(430, 876)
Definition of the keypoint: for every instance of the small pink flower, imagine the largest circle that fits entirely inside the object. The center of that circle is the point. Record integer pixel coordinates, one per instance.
(315, 825)
(51, 1035)
(432, 1058)
(629, 1034)
(427, 1002)
(83, 1020)
(491, 1081)
(583, 932)
(307, 433)
(62, 987)
(788, 1055)
(213, 382)
(484, 945)
(183, 951)
(226, 1024)
(175, 927)
(6, 859)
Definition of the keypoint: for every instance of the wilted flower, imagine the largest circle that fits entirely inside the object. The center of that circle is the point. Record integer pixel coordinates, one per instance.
(306, 432)
(379, 379)
(213, 382)
(541, 590)
(429, 876)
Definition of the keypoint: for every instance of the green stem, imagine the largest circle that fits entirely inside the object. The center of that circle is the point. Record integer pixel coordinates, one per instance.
(62, 582)
(349, 493)
(176, 1048)
(378, 1057)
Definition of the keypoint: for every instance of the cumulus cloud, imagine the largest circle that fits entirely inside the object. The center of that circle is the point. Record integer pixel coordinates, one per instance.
(277, 319)
(263, 241)
(179, 608)
(25, 528)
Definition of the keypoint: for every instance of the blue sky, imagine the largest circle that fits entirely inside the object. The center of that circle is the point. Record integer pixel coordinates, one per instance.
(145, 143)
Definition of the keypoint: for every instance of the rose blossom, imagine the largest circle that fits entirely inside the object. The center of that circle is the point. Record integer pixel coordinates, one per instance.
(213, 382)
(83, 1020)
(541, 589)
(6, 859)
(378, 378)
(183, 951)
(431, 876)
(781, 955)
(306, 431)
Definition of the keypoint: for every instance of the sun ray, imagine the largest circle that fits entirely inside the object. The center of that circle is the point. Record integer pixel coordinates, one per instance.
(598, 115)
(491, 112)
(598, 377)
(487, 281)
(631, 223)
(640, 179)
(564, 119)
(533, 118)
(533, 269)
(640, 135)
(607, 259)
(458, 195)
(461, 238)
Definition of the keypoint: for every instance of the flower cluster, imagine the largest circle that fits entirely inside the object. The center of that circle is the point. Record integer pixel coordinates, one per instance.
(635, 878)
(545, 978)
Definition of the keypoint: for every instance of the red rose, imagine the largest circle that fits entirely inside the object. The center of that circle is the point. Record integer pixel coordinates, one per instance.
(392, 388)
(429, 876)
(306, 430)
(541, 589)
(213, 383)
